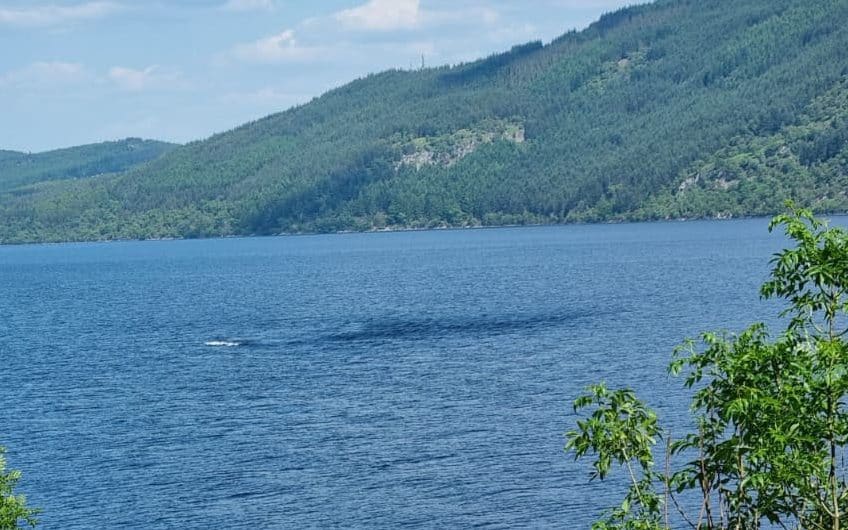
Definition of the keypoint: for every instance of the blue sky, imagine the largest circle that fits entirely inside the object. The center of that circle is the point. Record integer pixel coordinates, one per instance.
(75, 72)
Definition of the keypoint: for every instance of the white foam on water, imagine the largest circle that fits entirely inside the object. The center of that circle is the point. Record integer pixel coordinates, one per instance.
(222, 343)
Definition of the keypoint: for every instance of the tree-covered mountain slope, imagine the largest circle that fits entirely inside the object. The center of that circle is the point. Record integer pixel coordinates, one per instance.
(22, 169)
(678, 108)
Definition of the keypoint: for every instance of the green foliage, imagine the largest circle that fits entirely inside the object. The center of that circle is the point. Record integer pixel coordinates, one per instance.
(806, 160)
(23, 169)
(770, 425)
(13, 508)
(672, 109)
(621, 431)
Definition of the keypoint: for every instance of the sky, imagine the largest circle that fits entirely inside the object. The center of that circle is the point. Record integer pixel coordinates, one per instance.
(77, 72)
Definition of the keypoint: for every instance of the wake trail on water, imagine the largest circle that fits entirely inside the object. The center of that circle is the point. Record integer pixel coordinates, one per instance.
(380, 328)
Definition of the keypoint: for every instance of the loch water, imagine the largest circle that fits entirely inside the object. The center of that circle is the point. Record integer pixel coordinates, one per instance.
(416, 379)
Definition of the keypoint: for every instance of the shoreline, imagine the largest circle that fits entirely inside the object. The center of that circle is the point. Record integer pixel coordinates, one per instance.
(403, 229)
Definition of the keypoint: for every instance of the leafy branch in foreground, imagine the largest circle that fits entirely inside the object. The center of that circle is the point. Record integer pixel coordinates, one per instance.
(770, 426)
(13, 508)
(622, 431)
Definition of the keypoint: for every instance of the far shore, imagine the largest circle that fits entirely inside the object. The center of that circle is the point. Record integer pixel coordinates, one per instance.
(393, 229)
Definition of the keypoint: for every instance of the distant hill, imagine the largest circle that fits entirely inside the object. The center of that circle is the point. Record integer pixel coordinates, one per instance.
(679, 108)
(22, 169)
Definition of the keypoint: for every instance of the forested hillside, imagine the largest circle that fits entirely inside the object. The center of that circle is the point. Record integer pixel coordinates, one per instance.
(21, 169)
(680, 108)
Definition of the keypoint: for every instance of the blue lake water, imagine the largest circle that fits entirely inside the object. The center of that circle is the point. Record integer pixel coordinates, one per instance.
(421, 379)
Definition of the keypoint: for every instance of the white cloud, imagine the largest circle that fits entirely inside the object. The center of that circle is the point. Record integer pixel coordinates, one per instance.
(382, 15)
(591, 4)
(367, 35)
(149, 78)
(45, 75)
(464, 16)
(282, 47)
(57, 75)
(52, 15)
(266, 97)
(516, 33)
(248, 5)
